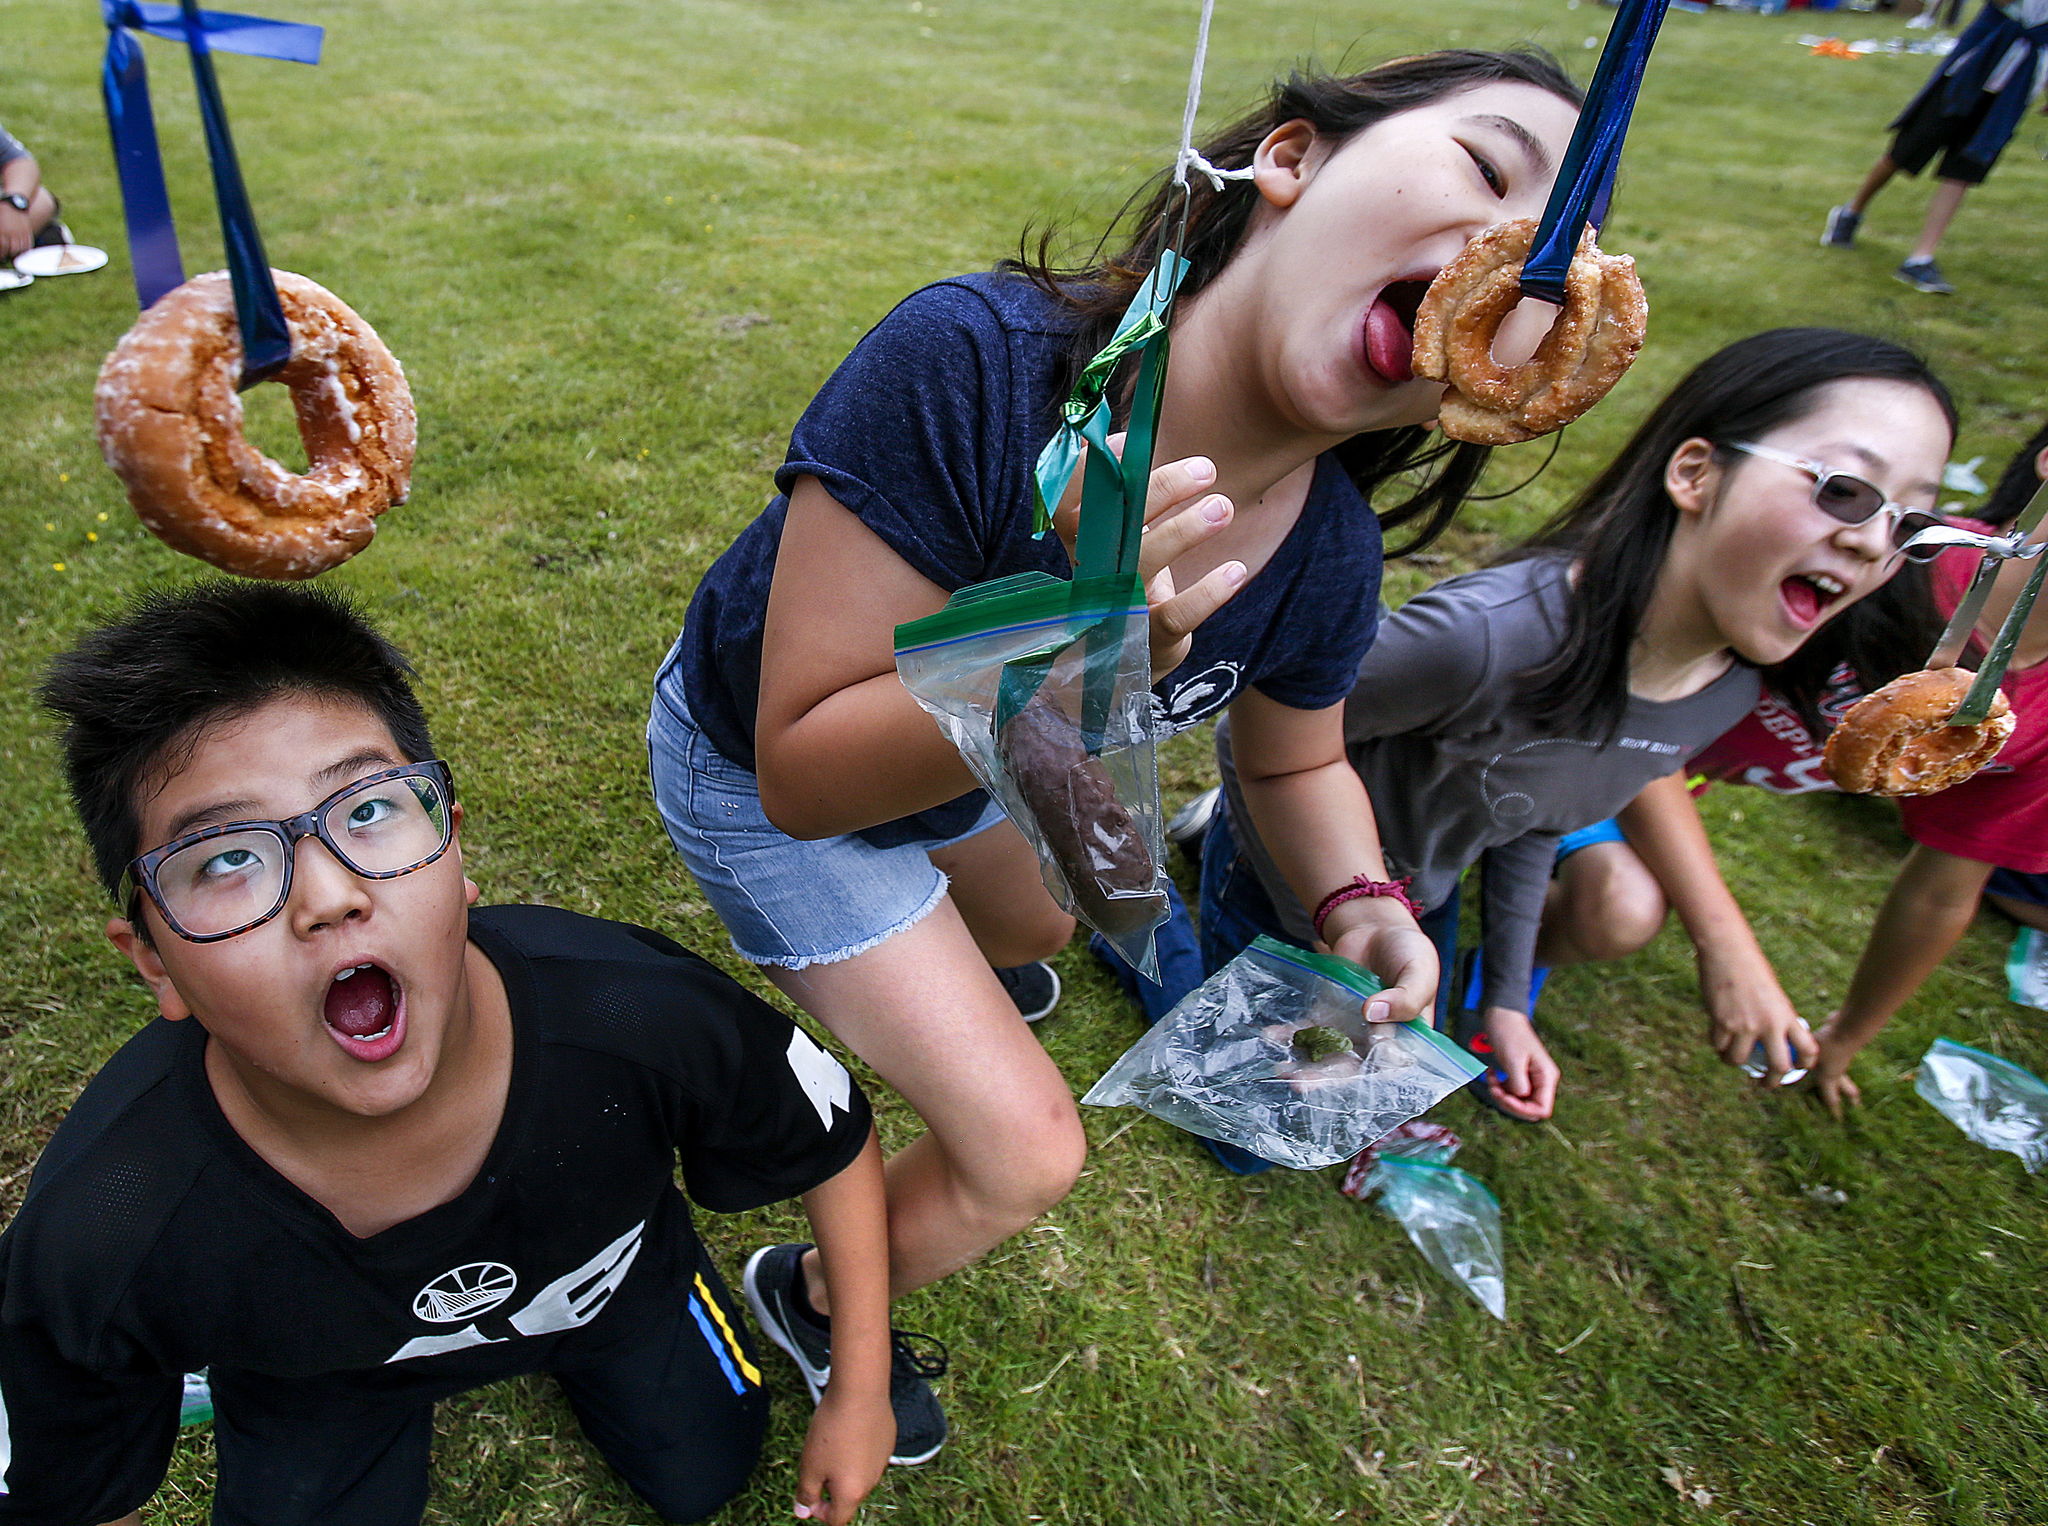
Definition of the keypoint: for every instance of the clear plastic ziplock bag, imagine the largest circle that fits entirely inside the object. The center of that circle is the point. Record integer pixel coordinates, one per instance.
(1992, 1100)
(1273, 1054)
(1452, 1219)
(1045, 687)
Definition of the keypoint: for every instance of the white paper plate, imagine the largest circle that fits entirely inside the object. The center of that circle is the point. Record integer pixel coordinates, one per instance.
(12, 279)
(60, 260)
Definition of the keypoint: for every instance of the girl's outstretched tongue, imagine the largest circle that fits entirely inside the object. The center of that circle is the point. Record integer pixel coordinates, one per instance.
(1389, 330)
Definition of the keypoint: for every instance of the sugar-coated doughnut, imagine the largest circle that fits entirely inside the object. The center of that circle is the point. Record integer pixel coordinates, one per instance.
(1593, 340)
(1897, 741)
(170, 425)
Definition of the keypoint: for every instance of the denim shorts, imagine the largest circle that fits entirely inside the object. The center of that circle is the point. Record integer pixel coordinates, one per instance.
(785, 902)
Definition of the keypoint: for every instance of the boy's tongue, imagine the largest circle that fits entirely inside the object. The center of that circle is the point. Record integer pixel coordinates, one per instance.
(363, 1004)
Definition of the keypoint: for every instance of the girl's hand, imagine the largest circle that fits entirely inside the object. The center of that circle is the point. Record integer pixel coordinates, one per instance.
(845, 1453)
(1529, 1089)
(1382, 936)
(1180, 513)
(1829, 1072)
(1745, 1007)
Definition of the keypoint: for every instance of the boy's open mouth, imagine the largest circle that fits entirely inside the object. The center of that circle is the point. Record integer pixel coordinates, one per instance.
(364, 1010)
(1390, 329)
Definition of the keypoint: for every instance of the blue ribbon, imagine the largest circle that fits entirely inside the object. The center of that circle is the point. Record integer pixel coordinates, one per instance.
(1585, 183)
(152, 236)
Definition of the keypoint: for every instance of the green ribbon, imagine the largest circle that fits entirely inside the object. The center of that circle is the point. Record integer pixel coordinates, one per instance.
(1084, 417)
(1113, 491)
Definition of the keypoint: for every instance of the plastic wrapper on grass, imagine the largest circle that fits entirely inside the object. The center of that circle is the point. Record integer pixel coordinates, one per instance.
(1452, 1219)
(1992, 1100)
(1246, 1058)
(1044, 686)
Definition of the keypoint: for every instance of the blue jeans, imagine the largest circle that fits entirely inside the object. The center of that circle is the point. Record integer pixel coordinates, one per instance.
(1235, 911)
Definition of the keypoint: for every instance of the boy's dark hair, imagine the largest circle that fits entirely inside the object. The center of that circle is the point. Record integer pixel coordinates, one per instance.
(1619, 528)
(136, 694)
(2017, 485)
(1098, 289)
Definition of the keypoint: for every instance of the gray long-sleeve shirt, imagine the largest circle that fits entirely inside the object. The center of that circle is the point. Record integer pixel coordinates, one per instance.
(1459, 773)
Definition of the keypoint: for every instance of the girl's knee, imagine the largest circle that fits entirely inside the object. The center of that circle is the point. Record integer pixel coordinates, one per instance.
(1026, 940)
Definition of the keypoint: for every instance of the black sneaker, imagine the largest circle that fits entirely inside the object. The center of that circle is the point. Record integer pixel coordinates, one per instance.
(1924, 275)
(914, 1360)
(770, 1286)
(1035, 988)
(1839, 232)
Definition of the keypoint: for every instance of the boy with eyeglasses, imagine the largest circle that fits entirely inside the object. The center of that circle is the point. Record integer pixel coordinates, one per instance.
(381, 1147)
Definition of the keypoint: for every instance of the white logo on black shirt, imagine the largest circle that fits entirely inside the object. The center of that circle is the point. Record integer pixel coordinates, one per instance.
(824, 1079)
(467, 1290)
(1203, 695)
(573, 1299)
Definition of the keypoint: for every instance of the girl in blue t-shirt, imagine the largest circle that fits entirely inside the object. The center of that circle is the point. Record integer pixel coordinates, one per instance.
(833, 825)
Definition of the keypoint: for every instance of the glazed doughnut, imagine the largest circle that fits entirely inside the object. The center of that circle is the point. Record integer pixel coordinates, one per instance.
(170, 425)
(1593, 340)
(1896, 740)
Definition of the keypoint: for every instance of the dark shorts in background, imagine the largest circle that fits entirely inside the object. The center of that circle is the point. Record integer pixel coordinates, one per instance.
(1922, 132)
(2015, 886)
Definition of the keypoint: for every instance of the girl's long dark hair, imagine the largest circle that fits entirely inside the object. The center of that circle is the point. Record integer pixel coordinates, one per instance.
(1619, 528)
(1100, 287)
(2016, 486)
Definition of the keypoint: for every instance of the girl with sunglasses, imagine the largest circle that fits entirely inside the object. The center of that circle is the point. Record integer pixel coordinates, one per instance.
(1503, 709)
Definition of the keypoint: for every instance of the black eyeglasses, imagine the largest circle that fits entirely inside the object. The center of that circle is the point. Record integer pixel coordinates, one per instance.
(223, 880)
(1852, 500)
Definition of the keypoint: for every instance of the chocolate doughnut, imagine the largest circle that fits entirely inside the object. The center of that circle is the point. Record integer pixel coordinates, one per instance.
(1095, 841)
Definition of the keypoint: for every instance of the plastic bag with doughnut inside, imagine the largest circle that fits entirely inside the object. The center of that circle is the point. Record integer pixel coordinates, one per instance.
(1045, 687)
(1273, 1054)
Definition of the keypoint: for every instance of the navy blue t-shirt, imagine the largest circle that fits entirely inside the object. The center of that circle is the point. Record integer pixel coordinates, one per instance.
(929, 431)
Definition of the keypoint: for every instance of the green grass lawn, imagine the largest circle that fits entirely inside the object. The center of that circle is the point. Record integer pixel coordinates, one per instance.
(617, 246)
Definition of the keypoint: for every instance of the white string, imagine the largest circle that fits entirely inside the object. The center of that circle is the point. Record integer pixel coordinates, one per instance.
(1189, 157)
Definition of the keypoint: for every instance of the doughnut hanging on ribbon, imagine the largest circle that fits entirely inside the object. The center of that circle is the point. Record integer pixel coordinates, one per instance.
(1593, 341)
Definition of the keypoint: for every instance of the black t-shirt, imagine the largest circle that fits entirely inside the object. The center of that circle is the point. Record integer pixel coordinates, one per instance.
(929, 431)
(154, 1242)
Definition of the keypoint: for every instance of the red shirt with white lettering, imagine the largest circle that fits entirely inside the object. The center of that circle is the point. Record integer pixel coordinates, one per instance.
(2000, 814)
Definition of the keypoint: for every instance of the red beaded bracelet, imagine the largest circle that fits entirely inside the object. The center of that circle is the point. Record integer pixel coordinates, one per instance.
(1359, 889)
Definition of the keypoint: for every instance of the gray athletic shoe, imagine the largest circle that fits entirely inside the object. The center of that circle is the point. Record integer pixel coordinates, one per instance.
(1840, 229)
(914, 1360)
(1188, 825)
(1924, 275)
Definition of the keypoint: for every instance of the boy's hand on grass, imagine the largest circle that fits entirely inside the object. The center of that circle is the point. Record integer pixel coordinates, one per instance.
(1829, 1072)
(845, 1453)
(1530, 1088)
(1745, 1007)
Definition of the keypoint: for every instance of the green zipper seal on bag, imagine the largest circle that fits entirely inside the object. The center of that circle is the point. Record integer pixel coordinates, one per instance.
(1028, 598)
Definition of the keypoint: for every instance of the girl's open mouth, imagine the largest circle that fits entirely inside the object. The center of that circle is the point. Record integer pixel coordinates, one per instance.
(1390, 330)
(1807, 596)
(364, 1011)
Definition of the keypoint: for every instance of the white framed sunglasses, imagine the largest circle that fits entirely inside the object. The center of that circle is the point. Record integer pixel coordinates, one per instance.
(1846, 497)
